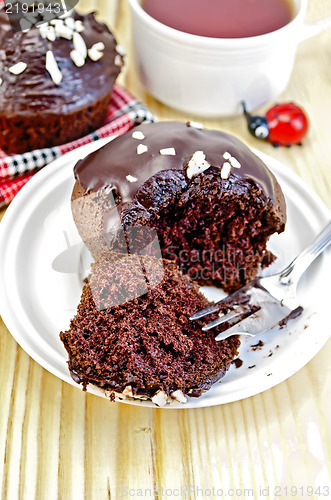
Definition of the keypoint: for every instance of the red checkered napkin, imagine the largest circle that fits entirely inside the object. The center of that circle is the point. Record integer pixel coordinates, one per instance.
(15, 170)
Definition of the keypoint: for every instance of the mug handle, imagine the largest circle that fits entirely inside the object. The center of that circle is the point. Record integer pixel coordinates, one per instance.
(312, 29)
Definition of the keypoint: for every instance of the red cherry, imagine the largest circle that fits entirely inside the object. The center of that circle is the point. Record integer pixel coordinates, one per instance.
(287, 124)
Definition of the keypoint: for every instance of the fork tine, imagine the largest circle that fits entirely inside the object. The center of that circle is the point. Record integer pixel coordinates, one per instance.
(236, 313)
(204, 312)
(237, 297)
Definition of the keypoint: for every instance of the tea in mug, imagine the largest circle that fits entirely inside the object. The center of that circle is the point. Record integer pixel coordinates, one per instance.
(221, 18)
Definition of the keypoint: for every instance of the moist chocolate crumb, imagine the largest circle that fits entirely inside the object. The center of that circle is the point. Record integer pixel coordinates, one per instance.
(258, 346)
(237, 362)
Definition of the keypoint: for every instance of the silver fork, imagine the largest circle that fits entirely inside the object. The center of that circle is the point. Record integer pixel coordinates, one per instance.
(266, 301)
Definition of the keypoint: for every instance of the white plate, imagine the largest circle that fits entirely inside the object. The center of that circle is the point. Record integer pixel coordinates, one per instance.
(37, 301)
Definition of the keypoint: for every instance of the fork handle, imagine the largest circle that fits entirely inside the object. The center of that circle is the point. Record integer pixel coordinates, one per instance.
(293, 272)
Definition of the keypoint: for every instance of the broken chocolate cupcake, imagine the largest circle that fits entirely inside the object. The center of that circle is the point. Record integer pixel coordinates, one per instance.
(213, 203)
(132, 334)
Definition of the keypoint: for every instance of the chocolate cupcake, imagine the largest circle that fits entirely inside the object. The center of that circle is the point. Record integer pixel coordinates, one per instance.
(56, 81)
(213, 203)
(132, 334)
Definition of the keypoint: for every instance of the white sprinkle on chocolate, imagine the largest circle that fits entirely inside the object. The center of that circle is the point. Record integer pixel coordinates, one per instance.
(94, 55)
(62, 30)
(168, 151)
(77, 58)
(118, 61)
(70, 22)
(120, 50)
(195, 125)
(18, 68)
(52, 68)
(179, 396)
(141, 148)
(137, 134)
(79, 26)
(234, 162)
(197, 164)
(95, 52)
(51, 36)
(225, 170)
(130, 178)
(55, 22)
(160, 398)
(79, 44)
(98, 46)
(48, 32)
(231, 159)
(1, 81)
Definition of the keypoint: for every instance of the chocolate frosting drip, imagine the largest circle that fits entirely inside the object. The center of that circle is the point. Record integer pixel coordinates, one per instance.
(111, 165)
(33, 91)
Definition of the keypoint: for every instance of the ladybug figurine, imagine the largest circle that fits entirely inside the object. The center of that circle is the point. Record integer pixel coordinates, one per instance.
(283, 125)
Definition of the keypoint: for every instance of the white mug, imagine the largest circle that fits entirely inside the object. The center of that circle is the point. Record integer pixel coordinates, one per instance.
(210, 77)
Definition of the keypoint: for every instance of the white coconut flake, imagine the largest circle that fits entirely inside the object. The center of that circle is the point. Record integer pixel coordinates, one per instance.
(197, 125)
(137, 134)
(225, 170)
(77, 58)
(70, 22)
(58, 22)
(120, 50)
(47, 31)
(95, 52)
(52, 68)
(179, 396)
(18, 68)
(160, 398)
(168, 151)
(94, 55)
(51, 36)
(197, 164)
(118, 61)
(98, 46)
(130, 178)
(79, 44)
(141, 148)
(234, 162)
(62, 30)
(231, 159)
(79, 26)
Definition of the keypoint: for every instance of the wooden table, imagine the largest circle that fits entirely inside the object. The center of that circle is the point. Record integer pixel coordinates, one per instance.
(56, 442)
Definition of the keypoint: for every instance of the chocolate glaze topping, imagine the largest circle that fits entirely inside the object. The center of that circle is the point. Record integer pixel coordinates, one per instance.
(33, 91)
(112, 164)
